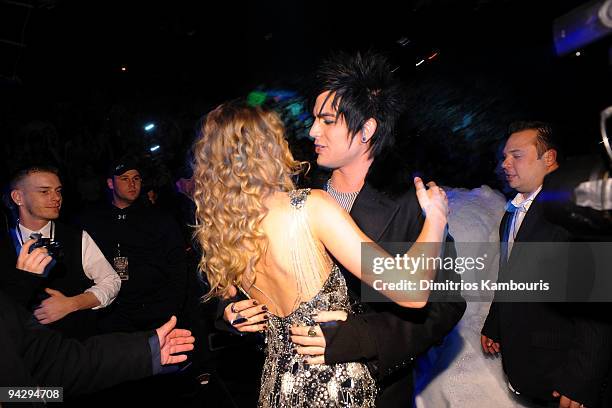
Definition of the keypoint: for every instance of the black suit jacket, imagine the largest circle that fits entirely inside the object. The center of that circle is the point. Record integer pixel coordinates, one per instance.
(33, 355)
(549, 346)
(387, 336)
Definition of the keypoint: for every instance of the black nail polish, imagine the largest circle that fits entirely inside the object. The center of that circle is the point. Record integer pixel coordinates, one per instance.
(264, 308)
(266, 316)
(239, 320)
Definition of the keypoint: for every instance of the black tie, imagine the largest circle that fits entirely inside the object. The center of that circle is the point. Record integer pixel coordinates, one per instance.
(509, 216)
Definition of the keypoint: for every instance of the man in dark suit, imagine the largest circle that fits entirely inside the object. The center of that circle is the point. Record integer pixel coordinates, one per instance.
(552, 353)
(357, 106)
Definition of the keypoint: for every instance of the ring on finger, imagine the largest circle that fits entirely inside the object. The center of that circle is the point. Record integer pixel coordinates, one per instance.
(312, 332)
(232, 308)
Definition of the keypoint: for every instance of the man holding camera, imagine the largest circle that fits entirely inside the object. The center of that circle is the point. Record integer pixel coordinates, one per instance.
(55, 269)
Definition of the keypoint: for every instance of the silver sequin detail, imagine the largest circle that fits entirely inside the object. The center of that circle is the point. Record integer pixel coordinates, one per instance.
(297, 198)
(287, 381)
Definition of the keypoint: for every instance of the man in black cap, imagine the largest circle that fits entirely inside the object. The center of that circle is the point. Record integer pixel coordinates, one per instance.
(145, 247)
(125, 182)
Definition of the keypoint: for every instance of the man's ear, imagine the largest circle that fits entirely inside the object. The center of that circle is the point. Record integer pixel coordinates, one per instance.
(17, 196)
(550, 157)
(109, 183)
(368, 130)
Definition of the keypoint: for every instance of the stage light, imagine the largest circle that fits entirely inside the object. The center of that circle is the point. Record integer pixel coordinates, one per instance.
(420, 62)
(123, 69)
(582, 26)
(578, 53)
(281, 94)
(256, 98)
(154, 148)
(295, 108)
(149, 127)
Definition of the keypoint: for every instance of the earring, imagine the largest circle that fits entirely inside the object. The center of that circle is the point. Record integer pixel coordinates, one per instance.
(364, 139)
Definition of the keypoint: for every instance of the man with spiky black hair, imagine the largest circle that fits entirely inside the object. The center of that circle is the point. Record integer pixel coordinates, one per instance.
(364, 94)
(358, 103)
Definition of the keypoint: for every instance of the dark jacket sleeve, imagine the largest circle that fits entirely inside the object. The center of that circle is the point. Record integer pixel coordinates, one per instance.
(491, 324)
(40, 356)
(589, 359)
(392, 339)
(99, 362)
(490, 327)
(22, 286)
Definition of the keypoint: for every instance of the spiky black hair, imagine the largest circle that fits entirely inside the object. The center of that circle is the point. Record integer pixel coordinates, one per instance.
(362, 86)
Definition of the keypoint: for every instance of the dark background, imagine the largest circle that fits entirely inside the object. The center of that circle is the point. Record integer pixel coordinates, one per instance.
(64, 92)
(65, 99)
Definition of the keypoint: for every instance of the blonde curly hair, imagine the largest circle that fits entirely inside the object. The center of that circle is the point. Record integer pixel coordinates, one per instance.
(240, 158)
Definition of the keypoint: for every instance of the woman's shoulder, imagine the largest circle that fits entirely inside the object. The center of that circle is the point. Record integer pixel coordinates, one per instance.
(297, 198)
(310, 199)
(302, 194)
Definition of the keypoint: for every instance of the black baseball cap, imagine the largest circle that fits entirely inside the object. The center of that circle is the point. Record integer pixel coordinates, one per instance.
(121, 166)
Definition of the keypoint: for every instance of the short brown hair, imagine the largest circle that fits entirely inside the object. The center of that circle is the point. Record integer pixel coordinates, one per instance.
(21, 174)
(545, 139)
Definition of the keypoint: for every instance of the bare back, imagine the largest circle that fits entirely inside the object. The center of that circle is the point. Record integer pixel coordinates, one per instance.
(299, 281)
(295, 266)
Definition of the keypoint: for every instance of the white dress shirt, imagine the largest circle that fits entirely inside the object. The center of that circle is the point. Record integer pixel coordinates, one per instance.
(96, 267)
(521, 206)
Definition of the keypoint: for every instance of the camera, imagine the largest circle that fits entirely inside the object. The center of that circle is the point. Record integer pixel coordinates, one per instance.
(54, 248)
(579, 194)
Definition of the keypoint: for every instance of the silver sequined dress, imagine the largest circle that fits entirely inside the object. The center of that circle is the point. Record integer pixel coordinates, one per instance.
(287, 381)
